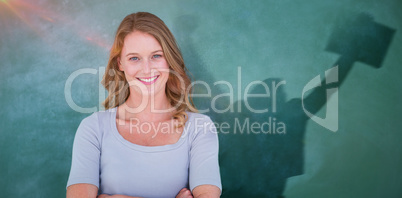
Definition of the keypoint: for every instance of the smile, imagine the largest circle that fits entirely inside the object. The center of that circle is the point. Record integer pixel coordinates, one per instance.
(149, 80)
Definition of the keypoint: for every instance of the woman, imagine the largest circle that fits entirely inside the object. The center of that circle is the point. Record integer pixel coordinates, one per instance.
(149, 142)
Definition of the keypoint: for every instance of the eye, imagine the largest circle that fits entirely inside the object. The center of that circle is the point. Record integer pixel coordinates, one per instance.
(156, 56)
(133, 58)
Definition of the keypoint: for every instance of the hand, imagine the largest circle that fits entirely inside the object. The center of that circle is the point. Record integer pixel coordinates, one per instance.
(184, 193)
(114, 196)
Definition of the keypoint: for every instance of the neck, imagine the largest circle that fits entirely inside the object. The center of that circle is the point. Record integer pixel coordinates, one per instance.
(146, 108)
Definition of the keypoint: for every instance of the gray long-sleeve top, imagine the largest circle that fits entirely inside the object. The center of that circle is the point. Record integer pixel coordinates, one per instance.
(102, 157)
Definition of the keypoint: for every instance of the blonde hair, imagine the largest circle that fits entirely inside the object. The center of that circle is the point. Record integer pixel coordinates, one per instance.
(176, 89)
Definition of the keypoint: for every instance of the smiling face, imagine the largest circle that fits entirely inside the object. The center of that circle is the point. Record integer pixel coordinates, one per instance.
(144, 64)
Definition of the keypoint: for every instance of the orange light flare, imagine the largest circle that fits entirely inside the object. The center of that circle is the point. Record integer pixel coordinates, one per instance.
(98, 41)
(10, 6)
(29, 13)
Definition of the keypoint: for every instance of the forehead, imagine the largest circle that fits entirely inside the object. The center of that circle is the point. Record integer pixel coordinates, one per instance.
(140, 42)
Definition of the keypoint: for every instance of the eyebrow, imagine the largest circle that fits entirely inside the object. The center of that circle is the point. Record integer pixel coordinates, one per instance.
(134, 53)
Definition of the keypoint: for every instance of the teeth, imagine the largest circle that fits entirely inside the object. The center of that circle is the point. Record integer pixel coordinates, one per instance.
(148, 79)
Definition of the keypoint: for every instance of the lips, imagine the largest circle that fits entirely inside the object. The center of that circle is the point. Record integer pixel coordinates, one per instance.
(148, 80)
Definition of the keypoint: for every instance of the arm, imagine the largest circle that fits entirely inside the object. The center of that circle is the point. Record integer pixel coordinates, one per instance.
(204, 173)
(82, 191)
(115, 196)
(84, 174)
(183, 193)
(89, 191)
(206, 191)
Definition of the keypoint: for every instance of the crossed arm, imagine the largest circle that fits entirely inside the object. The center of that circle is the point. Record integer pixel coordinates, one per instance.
(91, 191)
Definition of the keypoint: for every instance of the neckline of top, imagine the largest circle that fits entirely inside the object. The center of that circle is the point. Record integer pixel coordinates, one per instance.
(142, 148)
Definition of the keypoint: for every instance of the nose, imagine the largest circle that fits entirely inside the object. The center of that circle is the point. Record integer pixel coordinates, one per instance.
(146, 67)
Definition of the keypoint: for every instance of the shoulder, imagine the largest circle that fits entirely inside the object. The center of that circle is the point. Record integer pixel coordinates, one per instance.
(95, 118)
(198, 120)
(199, 124)
(91, 126)
(192, 116)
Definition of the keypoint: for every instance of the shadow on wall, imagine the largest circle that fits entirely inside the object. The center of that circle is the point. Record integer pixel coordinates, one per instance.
(257, 163)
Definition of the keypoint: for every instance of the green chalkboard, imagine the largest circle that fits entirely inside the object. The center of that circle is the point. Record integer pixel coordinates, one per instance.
(305, 94)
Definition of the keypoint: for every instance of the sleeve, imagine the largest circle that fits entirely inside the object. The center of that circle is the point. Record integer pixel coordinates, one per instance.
(204, 164)
(86, 153)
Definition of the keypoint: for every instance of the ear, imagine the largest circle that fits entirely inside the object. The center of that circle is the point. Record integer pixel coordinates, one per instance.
(119, 64)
